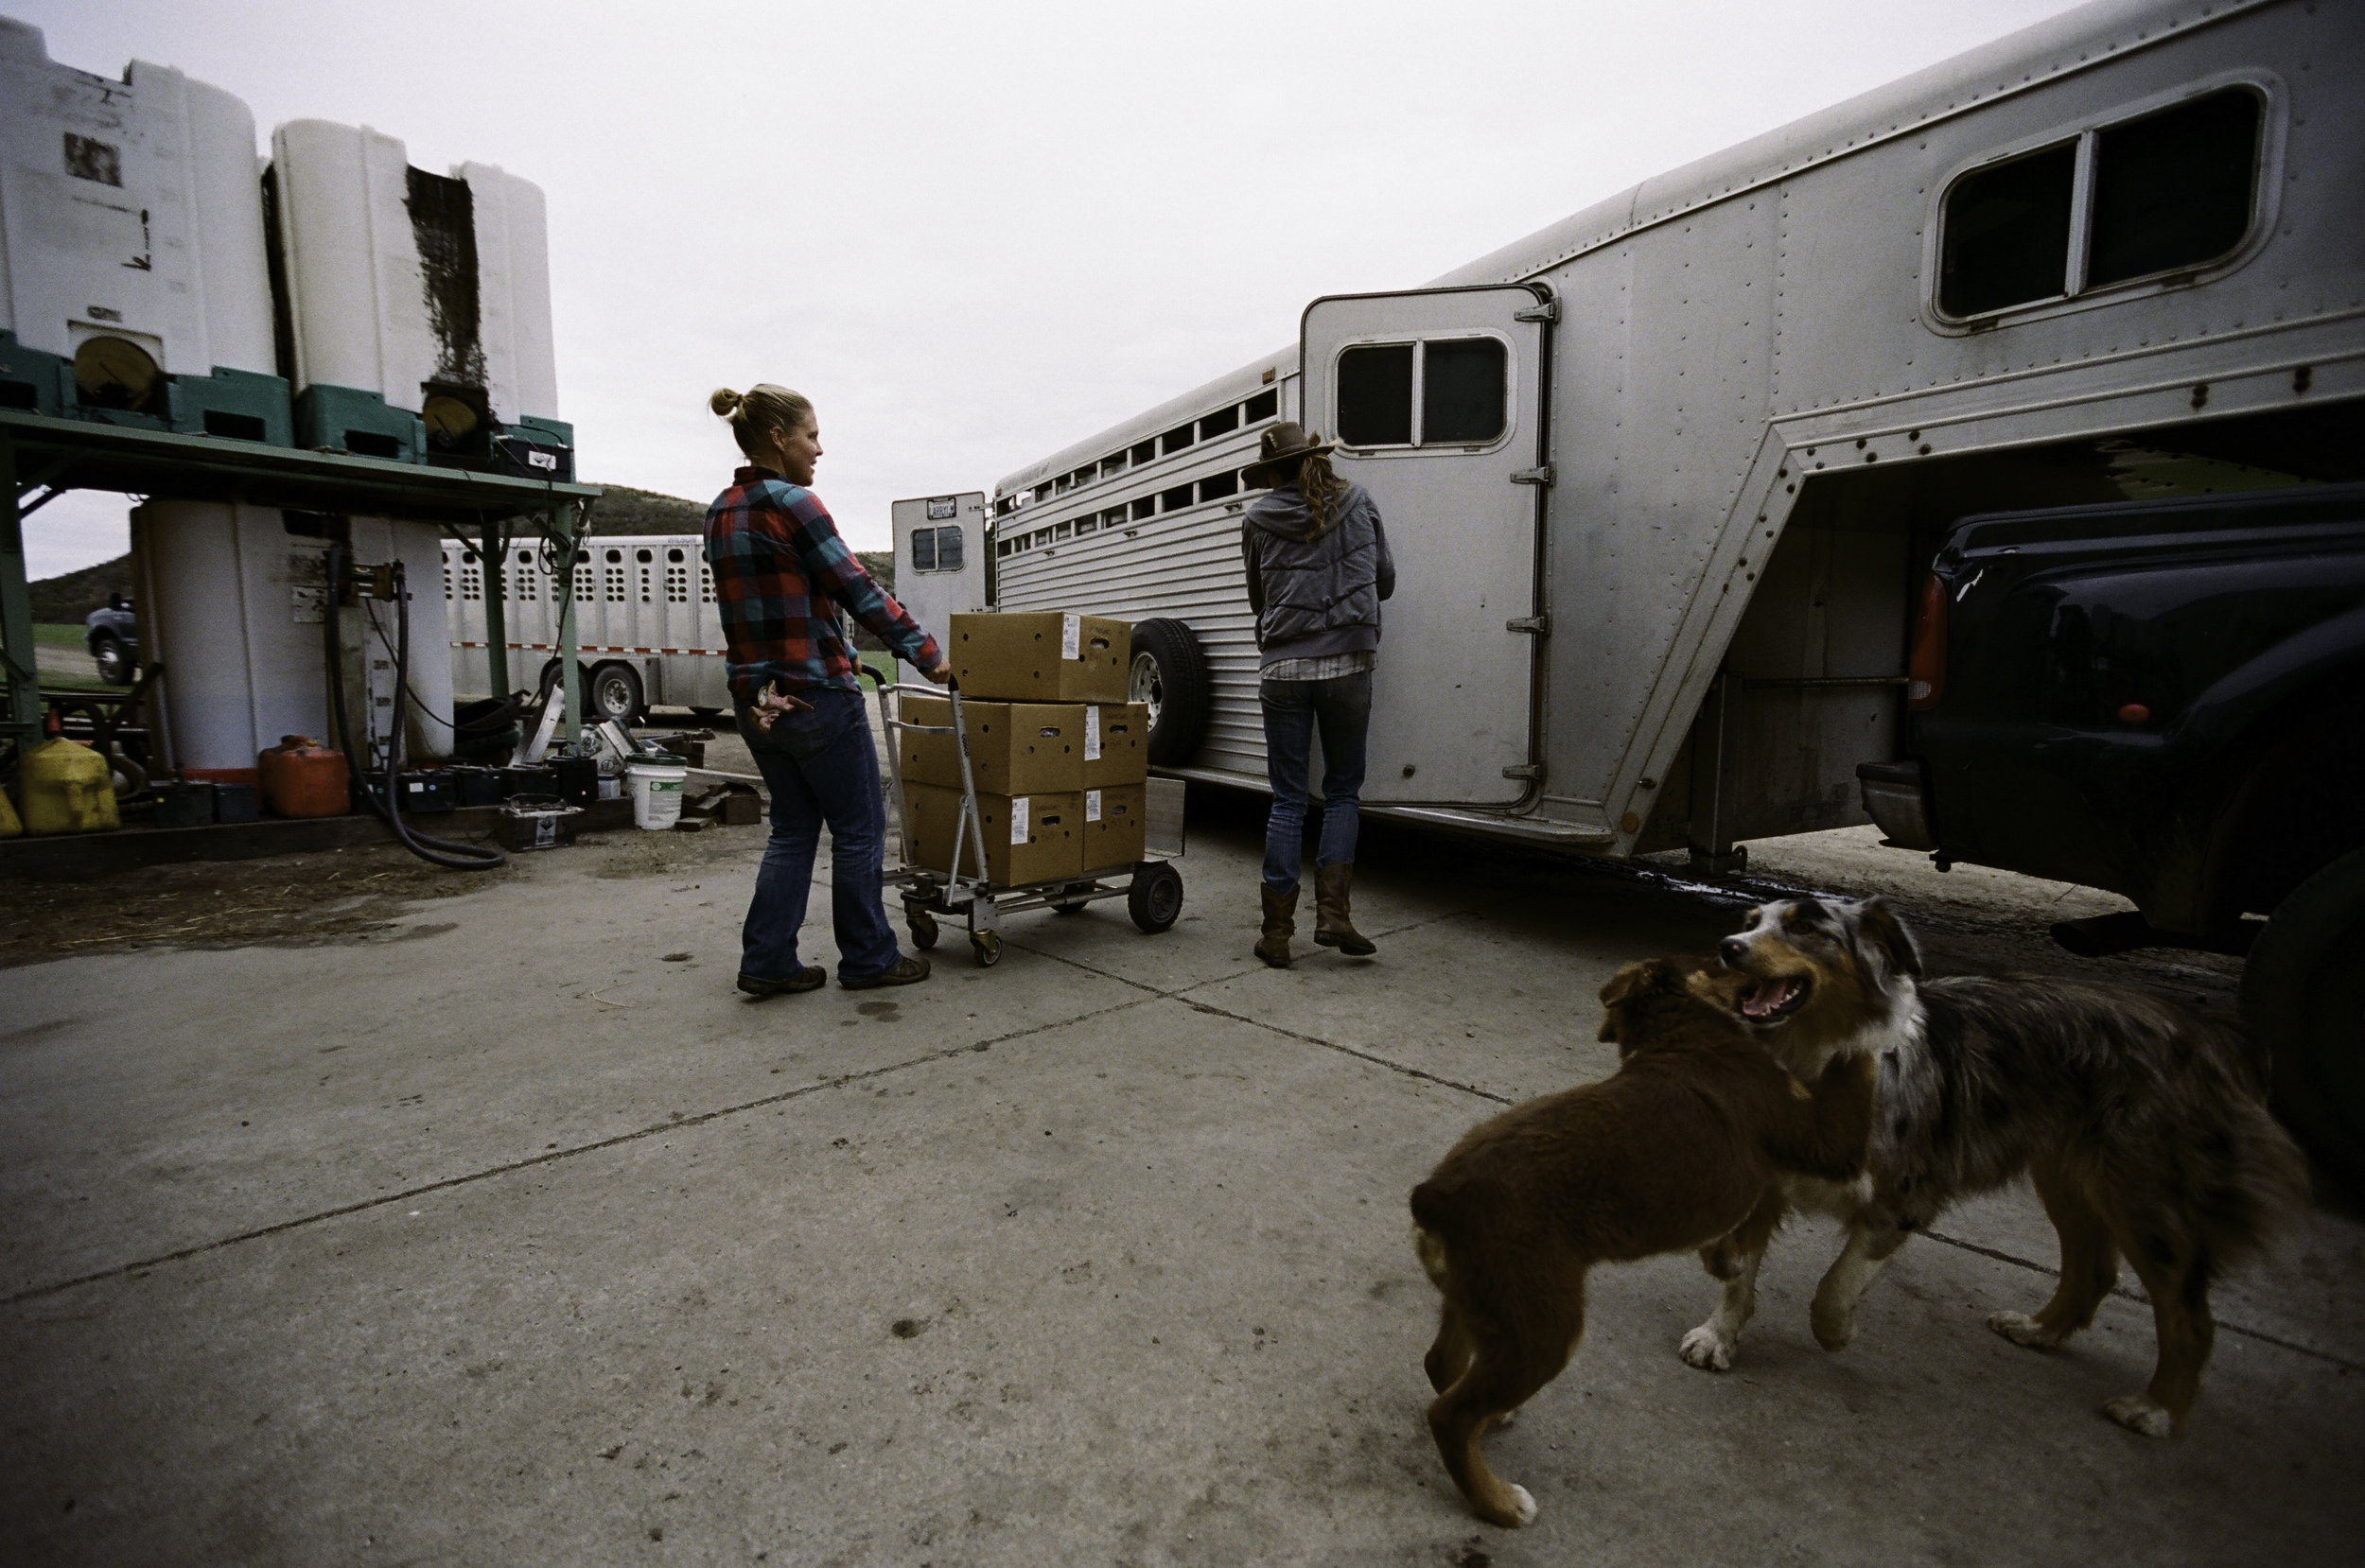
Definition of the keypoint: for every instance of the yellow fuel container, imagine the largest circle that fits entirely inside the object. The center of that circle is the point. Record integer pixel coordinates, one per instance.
(10, 826)
(64, 787)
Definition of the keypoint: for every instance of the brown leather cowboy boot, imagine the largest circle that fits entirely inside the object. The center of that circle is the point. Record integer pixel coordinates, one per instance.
(1280, 925)
(1334, 926)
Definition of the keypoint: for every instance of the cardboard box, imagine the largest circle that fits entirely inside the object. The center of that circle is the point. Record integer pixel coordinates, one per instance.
(1014, 748)
(1028, 838)
(1045, 657)
(1113, 820)
(1116, 745)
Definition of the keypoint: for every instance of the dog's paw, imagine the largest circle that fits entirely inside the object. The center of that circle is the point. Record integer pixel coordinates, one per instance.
(1707, 1348)
(1522, 1506)
(1505, 1419)
(2021, 1329)
(1834, 1327)
(2141, 1413)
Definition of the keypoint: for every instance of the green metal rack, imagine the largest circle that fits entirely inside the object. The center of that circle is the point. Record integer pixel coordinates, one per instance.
(42, 458)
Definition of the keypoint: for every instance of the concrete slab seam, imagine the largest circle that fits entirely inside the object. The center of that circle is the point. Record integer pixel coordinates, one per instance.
(550, 1158)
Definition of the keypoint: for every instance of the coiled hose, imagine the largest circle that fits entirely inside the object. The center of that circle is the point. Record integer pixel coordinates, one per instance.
(387, 803)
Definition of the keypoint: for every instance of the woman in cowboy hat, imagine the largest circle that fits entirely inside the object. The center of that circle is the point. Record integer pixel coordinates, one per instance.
(1318, 566)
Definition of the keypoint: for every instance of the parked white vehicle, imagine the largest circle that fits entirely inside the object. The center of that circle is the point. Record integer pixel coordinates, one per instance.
(1662, 478)
(646, 623)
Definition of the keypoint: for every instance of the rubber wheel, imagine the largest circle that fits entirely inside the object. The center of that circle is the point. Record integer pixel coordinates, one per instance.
(1155, 899)
(986, 946)
(1170, 675)
(2300, 996)
(116, 667)
(129, 778)
(1078, 906)
(614, 693)
(923, 928)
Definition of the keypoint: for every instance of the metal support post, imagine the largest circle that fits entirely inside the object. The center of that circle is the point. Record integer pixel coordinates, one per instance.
(493, 556)
(1716, 779)
(565, 547)
(23, 663)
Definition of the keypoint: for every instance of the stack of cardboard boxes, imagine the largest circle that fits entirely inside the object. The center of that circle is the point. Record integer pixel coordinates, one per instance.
(1058, 754)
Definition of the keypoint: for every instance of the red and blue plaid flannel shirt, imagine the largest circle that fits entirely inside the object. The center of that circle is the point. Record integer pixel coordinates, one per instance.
(778, 563)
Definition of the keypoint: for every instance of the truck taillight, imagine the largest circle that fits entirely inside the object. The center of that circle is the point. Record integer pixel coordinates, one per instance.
(1925, 667)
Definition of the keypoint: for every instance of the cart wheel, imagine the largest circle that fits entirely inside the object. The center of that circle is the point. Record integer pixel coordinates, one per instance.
(1155, 899)
(923, 928)
(986, 946)
(1074, 906)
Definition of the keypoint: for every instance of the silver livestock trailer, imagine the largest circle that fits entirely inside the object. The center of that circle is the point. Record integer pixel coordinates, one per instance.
(1662, 479)
(646, 625)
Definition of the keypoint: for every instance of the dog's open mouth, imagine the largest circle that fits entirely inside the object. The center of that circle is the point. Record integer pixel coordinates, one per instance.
(1775, 999)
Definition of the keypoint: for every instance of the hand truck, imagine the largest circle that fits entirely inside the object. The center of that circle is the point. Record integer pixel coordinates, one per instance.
(1151, 888)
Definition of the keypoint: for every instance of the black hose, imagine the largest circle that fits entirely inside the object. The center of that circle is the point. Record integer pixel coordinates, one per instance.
(388, 803)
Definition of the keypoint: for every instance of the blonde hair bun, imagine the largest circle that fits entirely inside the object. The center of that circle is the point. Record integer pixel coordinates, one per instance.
(723, 401)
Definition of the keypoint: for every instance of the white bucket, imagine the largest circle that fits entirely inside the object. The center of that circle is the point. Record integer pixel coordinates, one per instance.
(656, 792)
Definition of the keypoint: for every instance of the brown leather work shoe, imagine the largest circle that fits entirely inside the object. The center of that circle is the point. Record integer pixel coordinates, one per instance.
(811, 978)
(910, 970)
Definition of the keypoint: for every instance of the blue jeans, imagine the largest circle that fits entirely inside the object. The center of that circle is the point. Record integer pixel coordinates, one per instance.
(1292, 709)
(821, 767)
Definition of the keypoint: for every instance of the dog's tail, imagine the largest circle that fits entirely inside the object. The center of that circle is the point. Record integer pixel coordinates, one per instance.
(1435, 1222)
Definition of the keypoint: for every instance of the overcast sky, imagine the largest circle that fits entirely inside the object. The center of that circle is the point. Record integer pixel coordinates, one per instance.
(975, 234)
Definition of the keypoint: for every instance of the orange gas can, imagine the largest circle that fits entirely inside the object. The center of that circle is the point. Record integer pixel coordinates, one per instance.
(303, 778)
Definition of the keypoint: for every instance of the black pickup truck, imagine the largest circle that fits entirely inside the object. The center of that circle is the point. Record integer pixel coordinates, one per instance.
(2167, 700)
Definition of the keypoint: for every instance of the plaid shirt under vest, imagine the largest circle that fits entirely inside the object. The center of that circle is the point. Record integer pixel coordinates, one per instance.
(778, 565)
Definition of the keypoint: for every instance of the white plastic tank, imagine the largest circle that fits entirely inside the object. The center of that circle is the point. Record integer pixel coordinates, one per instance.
(389, 292)
(130, 209)
(230, 603)
(231, 600)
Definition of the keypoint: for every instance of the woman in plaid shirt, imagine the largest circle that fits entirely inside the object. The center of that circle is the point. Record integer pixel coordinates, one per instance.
(780, 571)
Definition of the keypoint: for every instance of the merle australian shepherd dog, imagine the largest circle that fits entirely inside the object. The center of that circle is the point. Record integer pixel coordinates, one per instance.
(2142, 1122)
(1676, 1149)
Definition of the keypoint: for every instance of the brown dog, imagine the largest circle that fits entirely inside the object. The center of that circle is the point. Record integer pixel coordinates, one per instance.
(1675, 1150)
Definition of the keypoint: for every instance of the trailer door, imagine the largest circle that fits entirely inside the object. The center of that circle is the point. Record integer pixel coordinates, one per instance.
(1436, 397)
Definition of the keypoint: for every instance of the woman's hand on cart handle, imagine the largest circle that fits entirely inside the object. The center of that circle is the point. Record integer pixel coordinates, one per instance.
(942, 674)
(771, 703)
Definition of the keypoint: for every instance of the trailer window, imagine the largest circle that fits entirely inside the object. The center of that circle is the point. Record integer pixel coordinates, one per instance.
(1263, 405)
(2174, 189)
(1214, 487)
(1376, 396)
(1144, 507)
(1144, 451)
(1461, 391)
(2006, 233)
(1175, 499)
(1222, 422)
(1043, 491)
(1174, 441)
(923, 549)
(1111, 517)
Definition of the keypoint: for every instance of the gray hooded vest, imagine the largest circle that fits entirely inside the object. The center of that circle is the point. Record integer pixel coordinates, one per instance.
(1313, 596)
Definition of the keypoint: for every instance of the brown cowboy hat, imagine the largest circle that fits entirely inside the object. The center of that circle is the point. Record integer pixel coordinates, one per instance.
(1283, 443)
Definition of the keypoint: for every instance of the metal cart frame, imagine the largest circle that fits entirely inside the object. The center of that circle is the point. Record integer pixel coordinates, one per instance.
(1153, 891)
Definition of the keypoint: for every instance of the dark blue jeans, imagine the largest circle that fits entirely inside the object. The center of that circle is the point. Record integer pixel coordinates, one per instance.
(1342, 708)
(821, 767)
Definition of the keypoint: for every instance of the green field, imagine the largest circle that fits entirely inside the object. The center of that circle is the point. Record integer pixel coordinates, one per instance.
(58, 636)
(70, 665)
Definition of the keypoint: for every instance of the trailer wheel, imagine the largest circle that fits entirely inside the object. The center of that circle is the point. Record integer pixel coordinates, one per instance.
(1155, 899)
(2300, 998)
(1170, 675)
(614, 693)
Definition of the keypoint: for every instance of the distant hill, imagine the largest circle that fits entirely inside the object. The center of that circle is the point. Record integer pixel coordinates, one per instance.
(65, 600)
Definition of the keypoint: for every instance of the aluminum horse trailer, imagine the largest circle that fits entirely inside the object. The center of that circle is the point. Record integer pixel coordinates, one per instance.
(1662, 479)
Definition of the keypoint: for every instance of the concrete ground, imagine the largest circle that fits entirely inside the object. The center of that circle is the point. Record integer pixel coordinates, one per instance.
(505, 1231)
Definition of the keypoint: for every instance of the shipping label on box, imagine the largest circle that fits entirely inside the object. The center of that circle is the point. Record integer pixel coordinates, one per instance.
(1047, 656)
(1112, 826)
(1029, 838)
(1116, 745)
(1014, 748)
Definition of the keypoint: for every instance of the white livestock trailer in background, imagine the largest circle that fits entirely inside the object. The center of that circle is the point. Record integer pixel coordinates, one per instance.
(1661, 480)
(645, 619)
